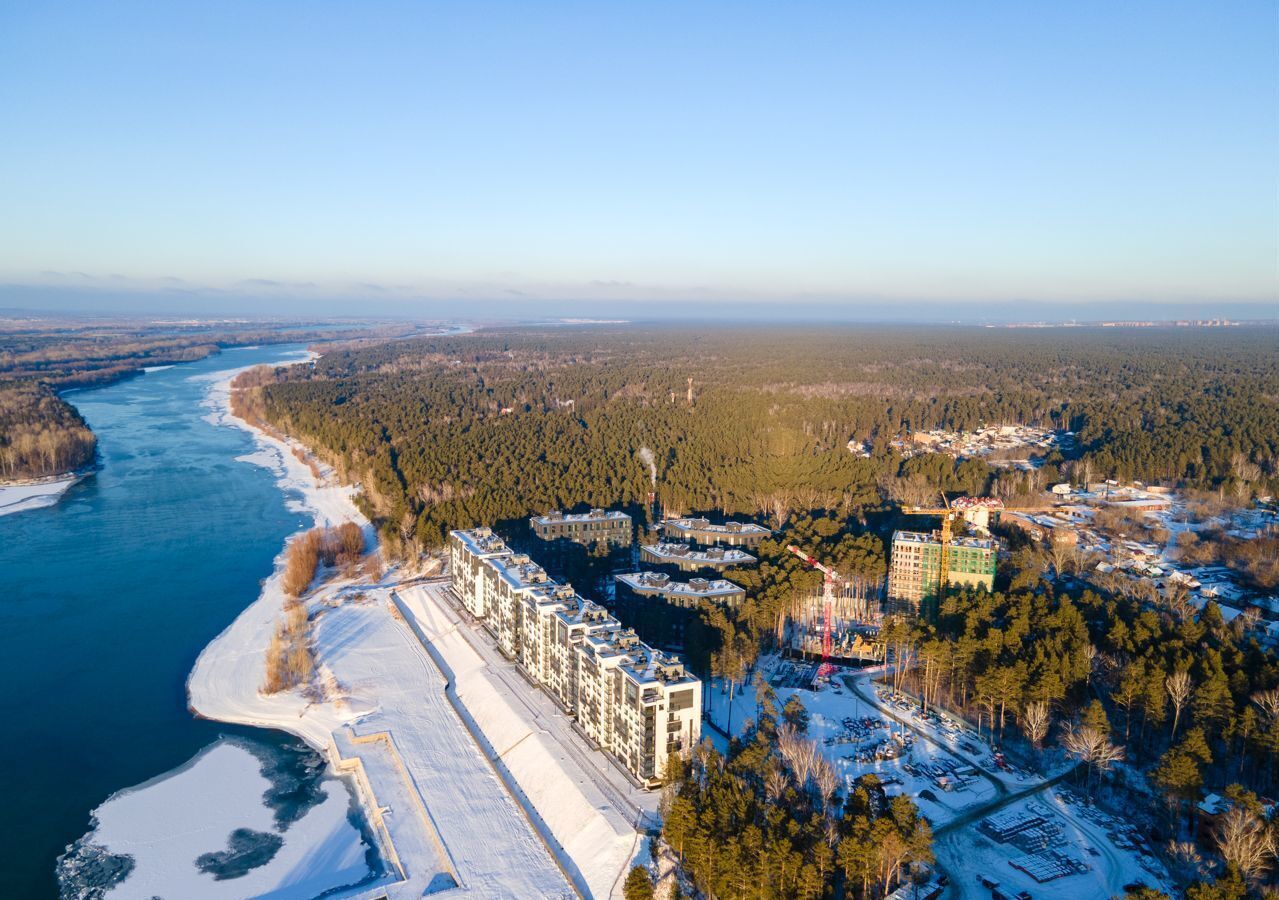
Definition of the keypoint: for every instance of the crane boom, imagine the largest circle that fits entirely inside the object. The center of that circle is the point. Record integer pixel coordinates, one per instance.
(830, 573)
(829, 578)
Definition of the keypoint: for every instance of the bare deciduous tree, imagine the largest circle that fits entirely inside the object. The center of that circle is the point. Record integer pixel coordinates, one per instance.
(1268, 702)
(1037, 719)
(1179, 689)
(1245, 841)
(827, 780)
(775, 784)
(800, 754)
(1092, 747)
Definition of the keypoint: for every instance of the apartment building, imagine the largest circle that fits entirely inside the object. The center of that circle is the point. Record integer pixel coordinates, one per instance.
(915, 577)
(610, 526)
(637, 703)
(702, 531)
(467, 558)
(691, 559)
(686, 594)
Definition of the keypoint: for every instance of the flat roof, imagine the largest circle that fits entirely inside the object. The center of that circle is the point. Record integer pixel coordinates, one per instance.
(482, 542)
(710, 555)
(520, 572)
(595, 515)
(659, 583)
(919, 537)
(691, 524)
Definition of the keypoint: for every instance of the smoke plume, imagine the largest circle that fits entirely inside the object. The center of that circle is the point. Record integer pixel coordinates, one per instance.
(646, 457)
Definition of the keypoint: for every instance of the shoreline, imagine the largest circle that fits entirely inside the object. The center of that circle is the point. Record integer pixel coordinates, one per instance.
(387, 765)
(455, 773)
(325, 506)
(38, 493)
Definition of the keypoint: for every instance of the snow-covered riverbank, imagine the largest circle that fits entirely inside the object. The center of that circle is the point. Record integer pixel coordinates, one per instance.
(378, 708)
(20, 497)
(233, 822)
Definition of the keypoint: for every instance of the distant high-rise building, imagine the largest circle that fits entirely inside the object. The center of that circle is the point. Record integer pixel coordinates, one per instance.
(915, 578)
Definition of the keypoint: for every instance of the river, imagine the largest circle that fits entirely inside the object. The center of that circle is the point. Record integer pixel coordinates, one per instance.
(107, 598)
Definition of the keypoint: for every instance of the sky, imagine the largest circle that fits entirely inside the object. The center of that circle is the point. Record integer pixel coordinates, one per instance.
(605, 158)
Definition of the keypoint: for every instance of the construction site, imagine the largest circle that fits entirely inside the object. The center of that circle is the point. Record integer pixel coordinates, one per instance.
(925, 564)
(838, 626)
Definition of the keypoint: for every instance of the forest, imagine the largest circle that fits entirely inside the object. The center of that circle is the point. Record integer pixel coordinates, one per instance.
(40, 434)
(456, 431)
(452, 432)
(767, 821)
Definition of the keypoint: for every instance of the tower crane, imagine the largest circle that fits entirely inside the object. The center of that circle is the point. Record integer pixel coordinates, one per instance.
(953, 511)
(829, 579)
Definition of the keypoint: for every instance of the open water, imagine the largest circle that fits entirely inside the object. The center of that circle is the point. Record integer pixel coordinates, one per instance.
(107, 598)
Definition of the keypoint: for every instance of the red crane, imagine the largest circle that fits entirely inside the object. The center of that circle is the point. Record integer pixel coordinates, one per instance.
(829, 579)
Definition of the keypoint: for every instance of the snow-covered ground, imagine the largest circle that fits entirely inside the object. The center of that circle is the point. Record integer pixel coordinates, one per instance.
(587, 804)
(1085, 836)
(473, 790)
(941, 753)
(942, 782)
(170, 826)
(16, 498)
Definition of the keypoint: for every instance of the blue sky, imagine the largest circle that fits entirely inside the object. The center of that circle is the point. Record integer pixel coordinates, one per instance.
(847, 155)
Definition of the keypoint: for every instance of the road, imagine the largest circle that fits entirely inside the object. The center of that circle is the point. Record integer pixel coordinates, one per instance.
(855, 683)
(947, 837)
(540, 707)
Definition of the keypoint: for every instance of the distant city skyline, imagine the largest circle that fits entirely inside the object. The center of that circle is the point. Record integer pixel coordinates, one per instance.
(997, 162)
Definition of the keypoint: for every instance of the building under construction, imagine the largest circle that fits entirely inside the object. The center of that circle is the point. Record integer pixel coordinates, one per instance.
(915, 579)
(856, 612)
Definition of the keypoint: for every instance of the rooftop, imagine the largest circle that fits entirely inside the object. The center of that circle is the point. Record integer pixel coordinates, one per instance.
(691, 524)
(595, 515)
(711, 555)
(482, 542)
(696, 587)
(520, 572)
(919, 537)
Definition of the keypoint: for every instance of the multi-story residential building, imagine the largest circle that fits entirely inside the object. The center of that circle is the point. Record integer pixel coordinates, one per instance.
(916, 576)
(701, 531)
(509, 579)
(689, 559)
(637, 703)
(686, 594)
(467, 556)
(610, 526)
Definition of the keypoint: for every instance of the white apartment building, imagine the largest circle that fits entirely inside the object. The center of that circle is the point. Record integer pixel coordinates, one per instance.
(467, 556)
(637, 703)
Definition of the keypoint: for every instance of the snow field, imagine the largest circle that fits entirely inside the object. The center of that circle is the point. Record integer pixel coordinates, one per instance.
(535, 742)
(167, 823)
(16, 498)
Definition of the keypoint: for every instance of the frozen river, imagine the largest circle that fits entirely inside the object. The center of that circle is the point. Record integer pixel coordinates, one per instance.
(107, 599)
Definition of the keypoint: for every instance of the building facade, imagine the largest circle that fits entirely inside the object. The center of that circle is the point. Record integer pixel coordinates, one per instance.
(915, 578)
(610, 526)
(637, 703)
(687, 594)
(701, 531)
